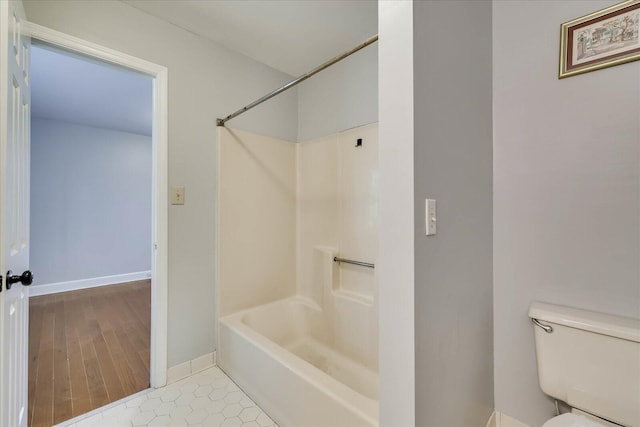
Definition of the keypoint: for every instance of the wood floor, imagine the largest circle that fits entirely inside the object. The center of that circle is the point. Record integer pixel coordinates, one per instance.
(87, 348)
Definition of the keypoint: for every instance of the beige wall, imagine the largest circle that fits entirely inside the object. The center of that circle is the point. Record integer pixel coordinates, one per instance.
(256, 220)
(205, 81)
(566, 190)
(337, 215)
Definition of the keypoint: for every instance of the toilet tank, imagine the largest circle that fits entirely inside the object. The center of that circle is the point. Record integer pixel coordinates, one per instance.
(591, 361)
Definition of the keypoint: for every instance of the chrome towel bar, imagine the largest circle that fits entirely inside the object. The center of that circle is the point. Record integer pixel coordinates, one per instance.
(350, 261)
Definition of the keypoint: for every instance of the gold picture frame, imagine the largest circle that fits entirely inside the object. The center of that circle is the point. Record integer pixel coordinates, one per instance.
(601, 39)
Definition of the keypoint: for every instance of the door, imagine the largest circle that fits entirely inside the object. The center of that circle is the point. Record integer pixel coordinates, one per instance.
(14, 213)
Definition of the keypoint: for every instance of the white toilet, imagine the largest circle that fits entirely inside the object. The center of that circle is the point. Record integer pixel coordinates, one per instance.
(590, 361)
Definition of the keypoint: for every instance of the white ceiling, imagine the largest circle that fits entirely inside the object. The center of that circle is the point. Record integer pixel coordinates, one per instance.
(288, 35)
(84, 91)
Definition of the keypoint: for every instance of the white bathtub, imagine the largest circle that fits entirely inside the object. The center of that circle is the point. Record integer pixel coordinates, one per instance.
(281, 355)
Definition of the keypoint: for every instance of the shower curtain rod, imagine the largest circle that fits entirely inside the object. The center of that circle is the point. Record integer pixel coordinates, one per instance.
(371, 40)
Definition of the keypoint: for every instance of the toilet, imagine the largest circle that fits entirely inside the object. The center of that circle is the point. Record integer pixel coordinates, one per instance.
(591, 362)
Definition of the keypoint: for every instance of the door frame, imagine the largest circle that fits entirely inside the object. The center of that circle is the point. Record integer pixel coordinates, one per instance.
(159, 223)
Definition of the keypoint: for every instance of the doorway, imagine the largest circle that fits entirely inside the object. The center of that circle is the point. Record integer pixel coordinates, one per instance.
(90, 234)
(134, 295)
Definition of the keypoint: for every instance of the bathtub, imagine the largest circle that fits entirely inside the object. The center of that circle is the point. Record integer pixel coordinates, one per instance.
(281, 355)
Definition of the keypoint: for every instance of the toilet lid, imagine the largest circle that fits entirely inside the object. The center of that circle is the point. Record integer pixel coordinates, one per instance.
(571, 420)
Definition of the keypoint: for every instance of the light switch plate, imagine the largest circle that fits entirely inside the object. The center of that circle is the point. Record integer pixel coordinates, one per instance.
(177, 195)
(430, 217)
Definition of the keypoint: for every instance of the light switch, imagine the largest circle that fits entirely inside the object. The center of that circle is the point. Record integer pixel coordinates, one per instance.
(430, 217)
(177, 195)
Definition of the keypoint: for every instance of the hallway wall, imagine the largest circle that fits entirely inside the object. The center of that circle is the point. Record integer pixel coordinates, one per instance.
(90, 202)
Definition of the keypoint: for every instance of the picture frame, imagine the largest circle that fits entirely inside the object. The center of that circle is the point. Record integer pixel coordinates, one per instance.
(605, 38)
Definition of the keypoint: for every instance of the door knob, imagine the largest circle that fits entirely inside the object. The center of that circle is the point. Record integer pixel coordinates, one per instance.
(25, 278)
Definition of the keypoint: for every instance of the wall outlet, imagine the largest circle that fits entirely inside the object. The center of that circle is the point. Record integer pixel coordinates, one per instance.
(177, 195)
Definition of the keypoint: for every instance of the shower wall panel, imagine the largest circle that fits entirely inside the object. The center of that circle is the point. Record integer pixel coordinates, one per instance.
(337, 207)
(256, 219)
(337, 187)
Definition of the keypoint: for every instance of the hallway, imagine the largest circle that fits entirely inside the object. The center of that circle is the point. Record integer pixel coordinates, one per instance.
(87, 348)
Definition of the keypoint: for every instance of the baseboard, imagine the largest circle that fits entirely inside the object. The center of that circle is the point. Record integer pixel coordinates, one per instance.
(74, 285)
(190, 367)
(493, 420)
(503, 420)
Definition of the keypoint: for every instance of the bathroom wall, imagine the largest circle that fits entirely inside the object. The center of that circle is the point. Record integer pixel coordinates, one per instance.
(566, 190)
(206, 81)
(256, 219)
(453, 164)
(344, 96)
(90, 202)
(395, 269)
(337, 188)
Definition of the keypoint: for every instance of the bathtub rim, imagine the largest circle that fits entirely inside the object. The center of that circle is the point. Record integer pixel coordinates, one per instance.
(364, 406)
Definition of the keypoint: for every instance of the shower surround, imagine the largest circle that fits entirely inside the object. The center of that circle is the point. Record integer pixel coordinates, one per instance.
(298, 331)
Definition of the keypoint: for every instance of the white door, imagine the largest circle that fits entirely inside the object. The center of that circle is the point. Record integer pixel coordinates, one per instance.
(14, 213)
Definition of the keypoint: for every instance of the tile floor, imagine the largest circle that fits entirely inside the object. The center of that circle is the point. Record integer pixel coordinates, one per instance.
(206, 399)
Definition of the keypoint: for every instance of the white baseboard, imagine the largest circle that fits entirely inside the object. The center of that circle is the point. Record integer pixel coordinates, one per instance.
(190, 367)
(178, 372)
(498, 419)
(74, 285)
(493, 420)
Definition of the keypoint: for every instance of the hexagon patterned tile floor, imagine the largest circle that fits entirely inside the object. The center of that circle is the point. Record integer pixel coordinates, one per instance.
(206, 399)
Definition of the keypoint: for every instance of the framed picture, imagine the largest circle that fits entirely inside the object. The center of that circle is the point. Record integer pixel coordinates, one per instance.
(602, 39)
